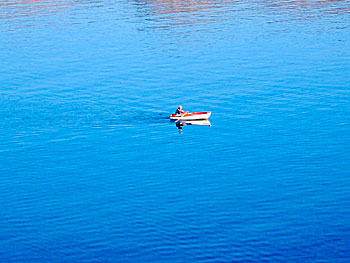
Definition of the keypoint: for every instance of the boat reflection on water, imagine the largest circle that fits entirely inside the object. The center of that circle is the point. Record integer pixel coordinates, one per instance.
(180, 123)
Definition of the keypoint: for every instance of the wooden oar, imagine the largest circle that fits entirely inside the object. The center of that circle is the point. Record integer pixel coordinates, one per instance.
(182, 115)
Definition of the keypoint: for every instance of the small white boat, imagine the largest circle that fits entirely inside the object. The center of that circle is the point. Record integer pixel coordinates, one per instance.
(191, 116)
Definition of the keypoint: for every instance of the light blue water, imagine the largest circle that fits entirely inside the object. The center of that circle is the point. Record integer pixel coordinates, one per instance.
(91, 169)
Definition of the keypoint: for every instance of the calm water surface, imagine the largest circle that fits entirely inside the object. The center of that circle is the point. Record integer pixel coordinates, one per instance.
(91, 169)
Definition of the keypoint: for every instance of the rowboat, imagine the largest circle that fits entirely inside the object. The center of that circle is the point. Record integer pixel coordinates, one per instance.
(191, 116)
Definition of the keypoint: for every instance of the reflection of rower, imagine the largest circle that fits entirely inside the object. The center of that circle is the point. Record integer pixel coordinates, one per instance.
(194, 122)
(181, 123)
(179, 126)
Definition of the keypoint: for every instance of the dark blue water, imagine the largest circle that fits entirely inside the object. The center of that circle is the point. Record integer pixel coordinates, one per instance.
(91, 169)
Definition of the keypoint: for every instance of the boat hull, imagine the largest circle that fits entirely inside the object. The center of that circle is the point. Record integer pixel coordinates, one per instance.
(192, 116)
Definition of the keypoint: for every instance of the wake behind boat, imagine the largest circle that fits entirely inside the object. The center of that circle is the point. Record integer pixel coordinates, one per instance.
(191, 116)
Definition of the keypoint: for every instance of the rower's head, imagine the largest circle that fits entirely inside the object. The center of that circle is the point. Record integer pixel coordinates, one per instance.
(180, 107)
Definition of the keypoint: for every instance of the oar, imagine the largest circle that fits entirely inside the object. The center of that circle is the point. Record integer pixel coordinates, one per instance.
(182, 115)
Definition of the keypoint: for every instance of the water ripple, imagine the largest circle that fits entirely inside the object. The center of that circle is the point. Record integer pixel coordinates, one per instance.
(92, 170)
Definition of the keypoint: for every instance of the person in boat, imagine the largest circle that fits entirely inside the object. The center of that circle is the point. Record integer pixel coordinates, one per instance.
(180, 111)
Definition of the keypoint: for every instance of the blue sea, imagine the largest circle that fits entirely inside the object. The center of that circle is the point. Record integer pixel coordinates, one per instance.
(93, 170)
